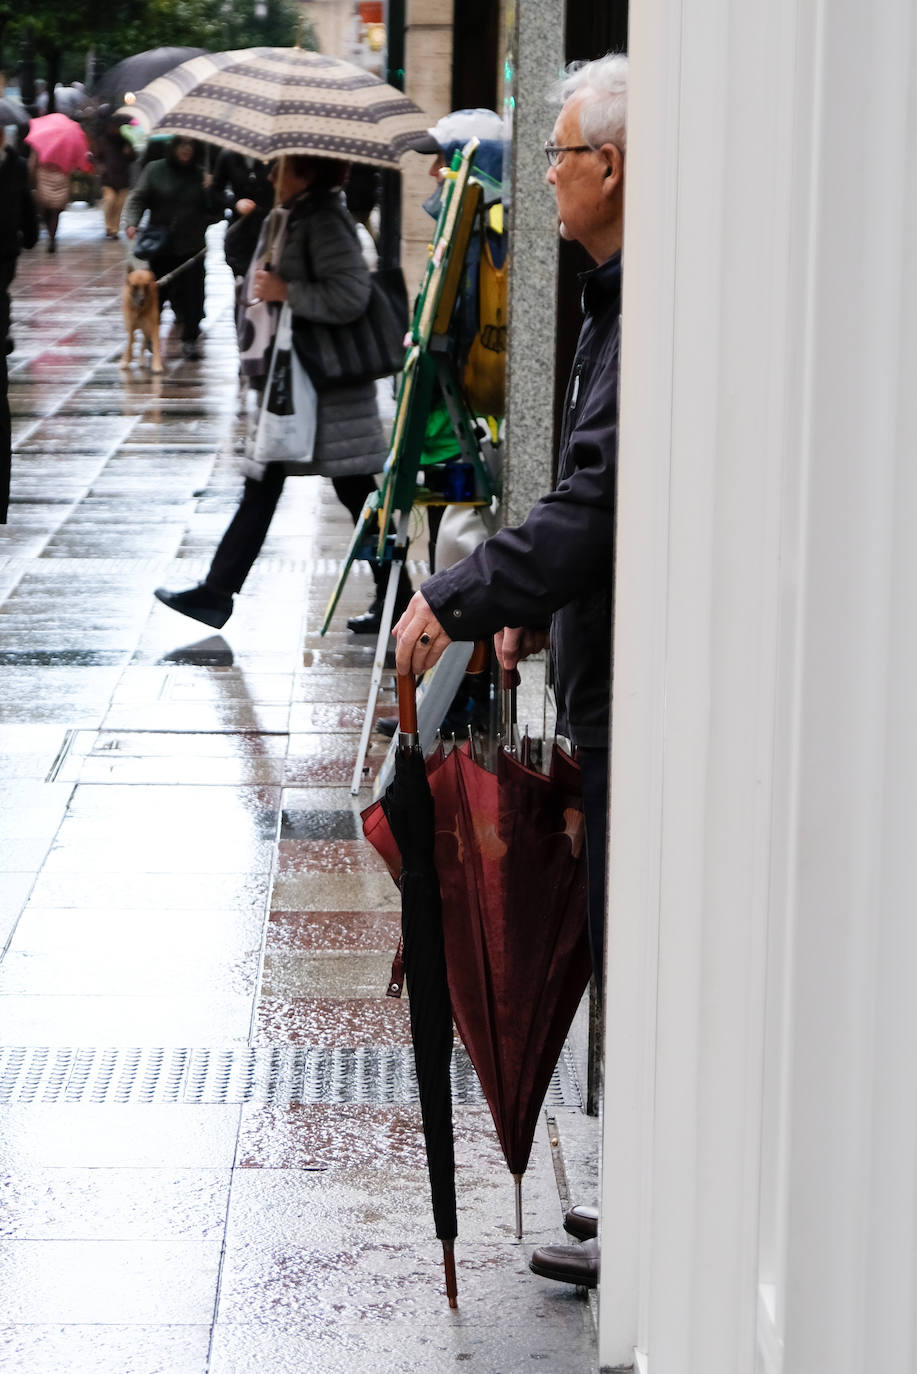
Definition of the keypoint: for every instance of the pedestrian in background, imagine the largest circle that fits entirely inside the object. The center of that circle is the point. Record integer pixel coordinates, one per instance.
(243, 187)
(52, 194)
(18, 227)
(176, 192)
(320, 270)
(113, 157)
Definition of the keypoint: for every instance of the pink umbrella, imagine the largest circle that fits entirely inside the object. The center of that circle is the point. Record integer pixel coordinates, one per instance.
(60, 141)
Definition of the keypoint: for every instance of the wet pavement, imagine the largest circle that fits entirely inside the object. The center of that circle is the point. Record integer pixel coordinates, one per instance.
(210, 1148)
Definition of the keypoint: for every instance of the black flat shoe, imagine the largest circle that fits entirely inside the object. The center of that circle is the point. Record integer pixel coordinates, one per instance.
(370, 622)
(200, 603)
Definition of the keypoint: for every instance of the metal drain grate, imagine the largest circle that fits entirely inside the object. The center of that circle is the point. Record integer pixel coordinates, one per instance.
(281, 1074)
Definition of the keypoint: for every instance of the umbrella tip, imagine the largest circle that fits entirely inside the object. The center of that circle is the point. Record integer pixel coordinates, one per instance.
(449, 1266)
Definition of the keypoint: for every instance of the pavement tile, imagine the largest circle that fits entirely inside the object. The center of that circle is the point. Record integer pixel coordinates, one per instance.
(327, 856)
(339, 974)
(339, 1021)
(85, 1281)
(130, 1136)
(114, 1204)
(294, 932)
(125, 1019)
(315, 891)
(105, 1348)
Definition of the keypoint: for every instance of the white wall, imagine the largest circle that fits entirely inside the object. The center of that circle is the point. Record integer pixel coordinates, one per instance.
(760, 1143)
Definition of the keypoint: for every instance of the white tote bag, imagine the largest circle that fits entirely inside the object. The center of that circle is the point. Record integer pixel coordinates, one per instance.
(285, 431)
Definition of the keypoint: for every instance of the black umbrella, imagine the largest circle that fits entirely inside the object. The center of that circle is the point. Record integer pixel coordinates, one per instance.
(408, 807)
(133, 73)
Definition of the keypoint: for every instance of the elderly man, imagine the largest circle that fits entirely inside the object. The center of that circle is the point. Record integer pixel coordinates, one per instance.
(550, 578)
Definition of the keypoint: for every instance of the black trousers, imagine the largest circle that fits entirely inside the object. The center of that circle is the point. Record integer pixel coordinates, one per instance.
(594, 778)
(248, 528)
(186, 291)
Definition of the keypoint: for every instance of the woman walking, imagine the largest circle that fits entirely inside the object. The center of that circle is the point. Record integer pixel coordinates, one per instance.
(321, 272)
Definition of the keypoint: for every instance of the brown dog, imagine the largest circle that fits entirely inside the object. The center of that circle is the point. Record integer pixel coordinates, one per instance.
(140, 302)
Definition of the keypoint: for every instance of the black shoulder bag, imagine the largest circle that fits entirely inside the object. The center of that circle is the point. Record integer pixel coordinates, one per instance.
(339, 355)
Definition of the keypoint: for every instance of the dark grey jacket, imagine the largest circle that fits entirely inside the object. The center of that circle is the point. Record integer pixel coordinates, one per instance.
(556, 567)
(328, 281)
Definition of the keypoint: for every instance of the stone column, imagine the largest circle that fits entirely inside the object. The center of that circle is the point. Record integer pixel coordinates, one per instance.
(535, 46)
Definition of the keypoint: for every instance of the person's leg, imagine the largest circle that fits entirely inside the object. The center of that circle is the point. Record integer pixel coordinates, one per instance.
(352, 493)
(188, 301)
(7, 273)
(579, 1263)
(593, 765)
(108, 210)
(5, 439)
(51, 219)
(211, 601)
(247, 531)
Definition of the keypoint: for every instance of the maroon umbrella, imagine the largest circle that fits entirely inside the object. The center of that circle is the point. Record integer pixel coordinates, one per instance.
(510, 857)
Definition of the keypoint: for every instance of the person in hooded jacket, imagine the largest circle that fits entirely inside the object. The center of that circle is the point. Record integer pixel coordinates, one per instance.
(176, 192)
(114, 155)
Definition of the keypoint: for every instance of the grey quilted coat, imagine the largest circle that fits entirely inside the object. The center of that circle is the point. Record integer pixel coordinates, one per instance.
(328, 281)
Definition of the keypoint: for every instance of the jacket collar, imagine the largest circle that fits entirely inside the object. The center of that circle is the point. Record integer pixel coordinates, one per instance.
(601, 285)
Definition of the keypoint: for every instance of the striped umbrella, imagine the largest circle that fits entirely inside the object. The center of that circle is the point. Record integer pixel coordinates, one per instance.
(266, 102)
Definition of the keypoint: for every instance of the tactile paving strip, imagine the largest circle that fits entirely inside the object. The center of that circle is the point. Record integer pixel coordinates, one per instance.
(267, 1074)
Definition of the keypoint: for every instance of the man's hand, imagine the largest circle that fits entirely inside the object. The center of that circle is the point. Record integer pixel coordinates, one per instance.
(244, 206)
(131, 231)
(412, 656)
(513, 645)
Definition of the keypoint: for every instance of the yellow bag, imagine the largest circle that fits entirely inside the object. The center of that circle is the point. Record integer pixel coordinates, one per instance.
(485, 371)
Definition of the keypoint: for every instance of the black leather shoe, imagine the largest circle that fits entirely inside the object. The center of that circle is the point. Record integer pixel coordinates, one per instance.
(387, 725)
(369, 623)
(577, 1264)
(582, 1222)
(200, 603)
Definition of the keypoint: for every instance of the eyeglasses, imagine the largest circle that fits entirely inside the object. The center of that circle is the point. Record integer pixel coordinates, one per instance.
(554, 152)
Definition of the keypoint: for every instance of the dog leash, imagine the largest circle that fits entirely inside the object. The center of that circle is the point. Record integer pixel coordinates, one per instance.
(161, 281)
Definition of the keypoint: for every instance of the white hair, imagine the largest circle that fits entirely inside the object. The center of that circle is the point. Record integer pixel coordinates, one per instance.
(602, 84)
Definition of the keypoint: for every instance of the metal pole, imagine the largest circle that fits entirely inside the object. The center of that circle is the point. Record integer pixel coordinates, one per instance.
(390, 200)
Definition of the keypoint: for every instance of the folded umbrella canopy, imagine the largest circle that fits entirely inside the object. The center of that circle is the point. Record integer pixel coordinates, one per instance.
(511, 864)
(267, 102)
(408, 809)
(61, 141)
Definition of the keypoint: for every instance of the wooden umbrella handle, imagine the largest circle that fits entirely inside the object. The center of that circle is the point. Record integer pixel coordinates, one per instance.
(407, 703)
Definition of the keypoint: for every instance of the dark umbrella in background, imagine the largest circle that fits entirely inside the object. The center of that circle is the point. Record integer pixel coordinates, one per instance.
(123, 80)
(408, 808)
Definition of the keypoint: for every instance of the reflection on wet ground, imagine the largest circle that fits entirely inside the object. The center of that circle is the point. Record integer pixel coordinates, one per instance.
(210, 1148)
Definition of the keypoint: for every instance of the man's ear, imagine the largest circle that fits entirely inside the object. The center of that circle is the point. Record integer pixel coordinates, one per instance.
(614, 165)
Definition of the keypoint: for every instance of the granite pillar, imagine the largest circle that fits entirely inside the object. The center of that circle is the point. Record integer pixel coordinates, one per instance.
(535, 48)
